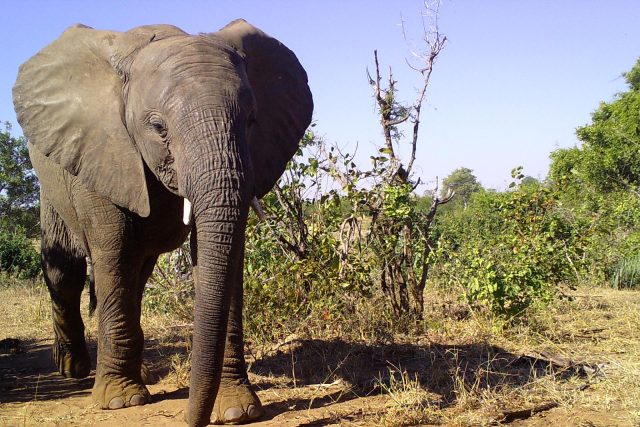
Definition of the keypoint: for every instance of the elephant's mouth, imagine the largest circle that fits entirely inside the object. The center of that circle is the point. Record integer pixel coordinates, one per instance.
(166, 173)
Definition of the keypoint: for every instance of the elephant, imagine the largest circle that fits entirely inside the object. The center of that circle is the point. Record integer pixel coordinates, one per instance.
(140, 138)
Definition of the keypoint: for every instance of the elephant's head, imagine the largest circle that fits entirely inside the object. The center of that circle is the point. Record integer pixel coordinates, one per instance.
(214, 117)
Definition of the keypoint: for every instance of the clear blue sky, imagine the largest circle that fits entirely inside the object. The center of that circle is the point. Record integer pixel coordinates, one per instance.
(513, 83)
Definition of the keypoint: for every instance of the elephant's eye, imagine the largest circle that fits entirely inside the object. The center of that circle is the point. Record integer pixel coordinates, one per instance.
(159, 127)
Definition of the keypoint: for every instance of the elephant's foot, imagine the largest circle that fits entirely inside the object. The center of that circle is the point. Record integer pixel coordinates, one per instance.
(118, 392)
(72, 363)
(236, 403)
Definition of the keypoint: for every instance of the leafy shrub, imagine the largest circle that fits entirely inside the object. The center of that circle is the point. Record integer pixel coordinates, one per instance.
(607, 230)
(17, 255)
(282, 286)
(170, 289)
(507, 250)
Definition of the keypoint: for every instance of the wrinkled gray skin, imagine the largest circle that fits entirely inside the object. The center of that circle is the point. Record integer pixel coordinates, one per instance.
(121, 128)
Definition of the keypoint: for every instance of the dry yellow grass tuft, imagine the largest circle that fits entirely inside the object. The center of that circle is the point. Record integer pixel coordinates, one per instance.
(25, 309)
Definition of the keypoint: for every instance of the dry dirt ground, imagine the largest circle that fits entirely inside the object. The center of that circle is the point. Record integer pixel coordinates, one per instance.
(577, 366)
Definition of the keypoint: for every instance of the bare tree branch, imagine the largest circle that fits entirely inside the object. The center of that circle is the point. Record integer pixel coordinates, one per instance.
(436, 43)
(393, 115)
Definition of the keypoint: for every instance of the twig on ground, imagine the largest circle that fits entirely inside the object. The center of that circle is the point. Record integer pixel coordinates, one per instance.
(522, 414)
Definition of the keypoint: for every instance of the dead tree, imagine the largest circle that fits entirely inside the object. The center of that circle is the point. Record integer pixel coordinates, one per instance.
(402, 285)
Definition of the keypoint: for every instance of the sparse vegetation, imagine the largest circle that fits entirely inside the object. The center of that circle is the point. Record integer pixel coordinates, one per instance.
(573, 362)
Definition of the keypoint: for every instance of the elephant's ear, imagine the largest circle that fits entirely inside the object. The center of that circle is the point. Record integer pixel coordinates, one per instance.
(283, 100)
(69, 102)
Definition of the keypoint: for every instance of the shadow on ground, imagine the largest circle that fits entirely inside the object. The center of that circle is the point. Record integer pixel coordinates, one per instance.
(27, 371)
(442, 370)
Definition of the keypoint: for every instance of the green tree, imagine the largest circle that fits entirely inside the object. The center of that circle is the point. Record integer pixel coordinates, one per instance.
(599, 182)
(463, 182)
(18, 185)
(609, 158)
(530, 181)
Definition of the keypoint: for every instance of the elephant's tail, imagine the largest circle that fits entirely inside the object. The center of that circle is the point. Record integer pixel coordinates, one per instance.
(93, 301)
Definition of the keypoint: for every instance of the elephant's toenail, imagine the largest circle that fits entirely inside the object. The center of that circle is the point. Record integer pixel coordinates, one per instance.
(136, 400)
(116, 403)
(233, 415)
(253, 412)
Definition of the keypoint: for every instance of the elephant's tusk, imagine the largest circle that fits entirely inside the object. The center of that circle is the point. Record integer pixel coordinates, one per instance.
(257, 207)
(186, 213)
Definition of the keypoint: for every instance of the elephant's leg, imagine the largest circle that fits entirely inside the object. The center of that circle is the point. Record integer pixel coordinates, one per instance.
(147, 268)
(119, 280)
(64, 268)
(236, 401)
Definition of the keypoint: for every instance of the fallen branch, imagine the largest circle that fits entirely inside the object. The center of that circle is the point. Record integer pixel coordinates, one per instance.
(523, 414)
(326, 385)
(581, 368)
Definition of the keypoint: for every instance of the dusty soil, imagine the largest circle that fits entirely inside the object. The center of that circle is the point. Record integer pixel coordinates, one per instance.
(579, 367)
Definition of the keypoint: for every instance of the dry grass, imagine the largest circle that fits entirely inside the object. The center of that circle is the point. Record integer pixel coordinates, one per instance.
(472, 366)
(24, 308)
(409, 404)
(363, 367)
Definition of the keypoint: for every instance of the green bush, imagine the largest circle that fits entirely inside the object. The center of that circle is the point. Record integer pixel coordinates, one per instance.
(607, 230)
(283, 288)
(170, 289)
(506, 250)
(17, 255)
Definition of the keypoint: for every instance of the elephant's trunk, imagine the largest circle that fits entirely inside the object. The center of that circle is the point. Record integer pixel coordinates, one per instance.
(220, 197)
